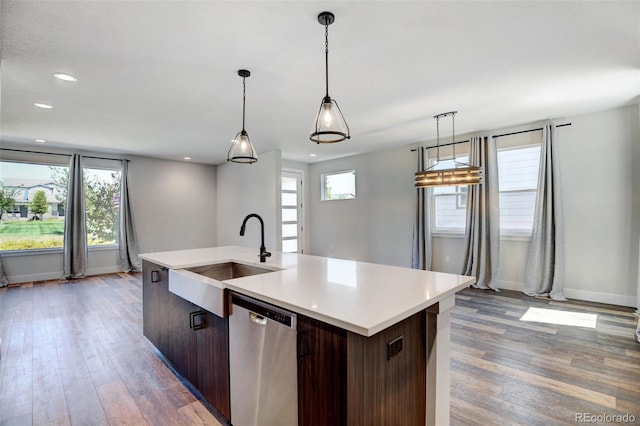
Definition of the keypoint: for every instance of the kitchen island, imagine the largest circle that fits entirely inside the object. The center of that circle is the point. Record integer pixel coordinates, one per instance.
(373, 340)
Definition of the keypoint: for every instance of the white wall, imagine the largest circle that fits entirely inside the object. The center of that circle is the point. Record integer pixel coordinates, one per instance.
(245, 189)
(376, 226)
(597, 157)
(174, 207)
(600, 190)
(174, 204)
(636, 191)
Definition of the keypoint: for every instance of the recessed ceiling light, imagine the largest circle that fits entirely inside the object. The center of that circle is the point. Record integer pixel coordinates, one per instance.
(44, 106)
(312, 155)
(187, 158)
(40, 140)
(65, 77)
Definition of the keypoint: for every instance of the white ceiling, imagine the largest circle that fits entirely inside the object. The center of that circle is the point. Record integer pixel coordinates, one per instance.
(159, 78)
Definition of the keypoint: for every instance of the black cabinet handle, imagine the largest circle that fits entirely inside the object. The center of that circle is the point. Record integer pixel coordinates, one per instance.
(193, 325)
(155, 275)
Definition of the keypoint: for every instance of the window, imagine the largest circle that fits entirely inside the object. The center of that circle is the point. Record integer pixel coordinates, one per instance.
(102, 200)
(518, 163)
(291, 211)
(339, 185)
(449, 202)
(33, 196)
(32, 200)
(518, 181)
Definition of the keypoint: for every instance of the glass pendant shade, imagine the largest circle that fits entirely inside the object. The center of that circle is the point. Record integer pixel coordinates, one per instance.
(242, 150)
(330, 125)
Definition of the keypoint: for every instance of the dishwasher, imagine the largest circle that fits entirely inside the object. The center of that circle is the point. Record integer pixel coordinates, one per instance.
(262, 364)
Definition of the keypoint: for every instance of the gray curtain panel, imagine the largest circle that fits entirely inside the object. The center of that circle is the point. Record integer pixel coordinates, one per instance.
(421, 252)
(4, 280)
(482, 234)
(128, 245)
(545, 263)
(75, 252)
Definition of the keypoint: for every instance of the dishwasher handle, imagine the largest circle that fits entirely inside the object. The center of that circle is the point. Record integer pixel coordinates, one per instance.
(261, 312)
(257, 319)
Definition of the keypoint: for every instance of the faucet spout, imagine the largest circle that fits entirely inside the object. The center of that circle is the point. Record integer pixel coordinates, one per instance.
(263, 250)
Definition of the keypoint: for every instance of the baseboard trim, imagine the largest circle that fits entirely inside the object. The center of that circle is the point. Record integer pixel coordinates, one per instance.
(577, 294)
(596, 296)
(56, 275)
(510, 285)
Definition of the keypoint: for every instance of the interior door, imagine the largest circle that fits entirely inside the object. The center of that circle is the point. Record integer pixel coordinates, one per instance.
(292, 212)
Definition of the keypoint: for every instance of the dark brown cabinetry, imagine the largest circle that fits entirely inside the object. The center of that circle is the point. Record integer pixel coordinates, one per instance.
(343, 378)
(192, 339)
(348, 379)
(155, 299)
(213, 361)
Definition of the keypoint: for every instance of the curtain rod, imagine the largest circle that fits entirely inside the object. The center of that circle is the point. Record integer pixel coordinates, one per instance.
(60, 154)
(495, 136)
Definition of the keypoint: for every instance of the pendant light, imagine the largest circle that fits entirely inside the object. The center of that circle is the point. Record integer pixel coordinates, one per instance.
(460, 174)
(330, 125)
(242, 150)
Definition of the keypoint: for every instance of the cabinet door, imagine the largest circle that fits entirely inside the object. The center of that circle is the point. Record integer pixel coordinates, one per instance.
(181, 349)
(322, 373)
(155, 289)
(388, 387)
(213, 361)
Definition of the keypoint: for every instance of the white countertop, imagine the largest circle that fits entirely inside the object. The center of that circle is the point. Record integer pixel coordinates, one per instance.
(364, 298)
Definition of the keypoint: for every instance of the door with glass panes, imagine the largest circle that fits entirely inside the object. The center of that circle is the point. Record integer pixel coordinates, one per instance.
(292, 228)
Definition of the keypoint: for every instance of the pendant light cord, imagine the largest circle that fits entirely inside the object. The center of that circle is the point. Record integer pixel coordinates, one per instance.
(326, 57)
(244, 97)
(453, 137)
(437, 139)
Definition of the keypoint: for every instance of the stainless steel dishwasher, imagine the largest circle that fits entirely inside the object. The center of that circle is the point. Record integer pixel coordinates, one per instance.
(262, 364)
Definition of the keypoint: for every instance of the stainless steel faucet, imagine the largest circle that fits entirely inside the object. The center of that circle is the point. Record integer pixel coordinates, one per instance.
(263, 250)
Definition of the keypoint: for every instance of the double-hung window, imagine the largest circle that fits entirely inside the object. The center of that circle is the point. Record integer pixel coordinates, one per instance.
(518, 164)
(449, 202)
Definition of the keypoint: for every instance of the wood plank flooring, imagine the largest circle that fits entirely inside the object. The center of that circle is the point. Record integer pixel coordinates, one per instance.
(511, 372)
(73, 353)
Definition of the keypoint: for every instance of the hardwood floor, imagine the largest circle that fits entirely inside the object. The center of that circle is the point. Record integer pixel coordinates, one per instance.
(506, 371)
(73, 353)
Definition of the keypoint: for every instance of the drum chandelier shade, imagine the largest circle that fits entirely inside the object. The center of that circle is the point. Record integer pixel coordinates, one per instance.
(461, 174)
(330, 125)
(242, 150)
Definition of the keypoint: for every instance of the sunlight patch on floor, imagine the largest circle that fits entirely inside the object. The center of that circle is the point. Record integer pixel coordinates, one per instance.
(553, 316)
